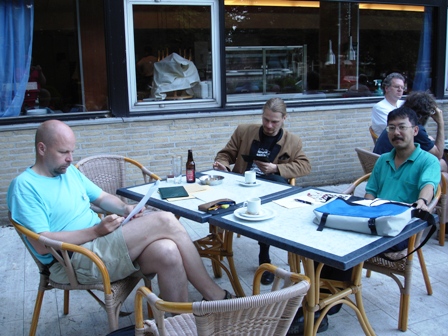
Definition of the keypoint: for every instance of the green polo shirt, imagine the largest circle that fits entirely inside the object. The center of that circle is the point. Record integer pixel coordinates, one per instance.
(404, 184)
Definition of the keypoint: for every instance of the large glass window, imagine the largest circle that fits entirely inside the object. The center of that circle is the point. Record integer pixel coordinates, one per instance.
(306, 50)
(173, 54)
(68, 67)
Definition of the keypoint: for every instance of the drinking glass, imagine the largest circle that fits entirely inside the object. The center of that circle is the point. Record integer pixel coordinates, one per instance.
(176, 168)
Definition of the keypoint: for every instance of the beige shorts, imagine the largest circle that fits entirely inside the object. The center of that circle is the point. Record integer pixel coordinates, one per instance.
(113, 252)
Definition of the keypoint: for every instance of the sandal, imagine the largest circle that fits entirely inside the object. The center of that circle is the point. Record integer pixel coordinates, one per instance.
(227, 296)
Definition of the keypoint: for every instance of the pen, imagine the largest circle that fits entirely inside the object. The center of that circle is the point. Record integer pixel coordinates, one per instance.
(302, 201)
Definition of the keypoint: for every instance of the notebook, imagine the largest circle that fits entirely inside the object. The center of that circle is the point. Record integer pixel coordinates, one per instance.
(173, 192)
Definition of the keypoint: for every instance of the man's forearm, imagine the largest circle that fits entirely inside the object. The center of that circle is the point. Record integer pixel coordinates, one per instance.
(112, 204)
(440, 138)
(426, 194)
(77, 237)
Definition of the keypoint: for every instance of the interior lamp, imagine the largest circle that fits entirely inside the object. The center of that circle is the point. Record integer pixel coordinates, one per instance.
(331, 58)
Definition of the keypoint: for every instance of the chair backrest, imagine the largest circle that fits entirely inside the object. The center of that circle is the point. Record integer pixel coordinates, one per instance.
(373, 135)
(367, 159)
(261, 314)
(109, 171)
(266, 314)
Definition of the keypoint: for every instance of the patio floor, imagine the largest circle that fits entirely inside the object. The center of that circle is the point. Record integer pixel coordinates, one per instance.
(428, 314)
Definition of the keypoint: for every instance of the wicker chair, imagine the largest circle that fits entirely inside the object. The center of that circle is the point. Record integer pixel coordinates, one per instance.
(373, 135)
(367, 159)
(115, 293)
(441, 209)
(401, 267)
(109, 172)
(261, 314)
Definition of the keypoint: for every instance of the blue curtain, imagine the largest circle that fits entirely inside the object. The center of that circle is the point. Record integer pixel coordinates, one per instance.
(422, 81)
(16, 41)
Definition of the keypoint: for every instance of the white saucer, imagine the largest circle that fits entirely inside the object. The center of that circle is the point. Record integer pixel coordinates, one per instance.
(244, 184)
(266, 214)
(262, 213)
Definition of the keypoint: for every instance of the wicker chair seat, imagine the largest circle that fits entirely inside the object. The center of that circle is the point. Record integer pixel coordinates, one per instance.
(398, 266)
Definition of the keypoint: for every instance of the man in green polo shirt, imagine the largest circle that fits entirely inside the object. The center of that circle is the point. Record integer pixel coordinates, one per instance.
(407, 173)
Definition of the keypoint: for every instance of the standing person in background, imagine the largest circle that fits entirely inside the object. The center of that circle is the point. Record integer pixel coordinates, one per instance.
(393, 88)
(425, 106)
(284, 150)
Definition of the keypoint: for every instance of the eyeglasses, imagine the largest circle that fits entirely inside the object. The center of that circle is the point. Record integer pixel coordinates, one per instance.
(396, 87)
(401, 128)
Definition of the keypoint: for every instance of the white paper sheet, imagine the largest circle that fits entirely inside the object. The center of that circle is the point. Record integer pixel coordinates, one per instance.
(142, 203)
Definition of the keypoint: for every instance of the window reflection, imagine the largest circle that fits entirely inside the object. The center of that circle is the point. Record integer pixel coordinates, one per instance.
(172, 52)
(69, 49)
(348, 50)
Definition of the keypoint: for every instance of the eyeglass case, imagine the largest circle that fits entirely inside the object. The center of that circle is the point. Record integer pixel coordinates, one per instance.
(215, 207)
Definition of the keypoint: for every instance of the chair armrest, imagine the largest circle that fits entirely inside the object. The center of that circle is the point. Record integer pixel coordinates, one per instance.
(351, 188)
(145, 171)
(288, 277)
(56, 245)
(158, 306)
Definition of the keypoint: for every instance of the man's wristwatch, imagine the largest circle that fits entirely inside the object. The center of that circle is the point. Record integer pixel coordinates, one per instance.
(424, 200)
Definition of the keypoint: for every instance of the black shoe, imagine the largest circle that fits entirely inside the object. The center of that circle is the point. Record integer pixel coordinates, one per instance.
(267, 278)
(335, 309)
(298, 324)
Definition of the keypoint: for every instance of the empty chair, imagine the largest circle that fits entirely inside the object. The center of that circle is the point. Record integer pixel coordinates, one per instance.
(109, 172)
(367, 159)
(260, 314)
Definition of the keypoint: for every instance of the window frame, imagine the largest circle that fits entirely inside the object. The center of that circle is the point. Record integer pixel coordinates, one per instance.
(165, 105)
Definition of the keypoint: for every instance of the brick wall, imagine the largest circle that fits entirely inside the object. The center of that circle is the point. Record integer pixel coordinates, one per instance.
(329, 136)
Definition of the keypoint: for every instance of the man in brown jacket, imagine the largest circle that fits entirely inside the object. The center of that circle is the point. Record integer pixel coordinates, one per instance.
(283, 149)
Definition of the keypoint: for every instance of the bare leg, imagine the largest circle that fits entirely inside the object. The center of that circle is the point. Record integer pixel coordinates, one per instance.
(163, 258)
(141, 233)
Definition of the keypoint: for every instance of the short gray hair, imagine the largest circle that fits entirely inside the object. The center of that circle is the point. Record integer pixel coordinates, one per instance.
(388, 80)
(275, 105)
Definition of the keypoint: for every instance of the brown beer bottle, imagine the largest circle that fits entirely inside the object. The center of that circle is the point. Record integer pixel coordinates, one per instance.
(191, 168)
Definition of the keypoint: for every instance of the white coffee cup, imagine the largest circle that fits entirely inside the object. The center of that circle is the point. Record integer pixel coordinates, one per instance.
(253, 206)
(250, 177)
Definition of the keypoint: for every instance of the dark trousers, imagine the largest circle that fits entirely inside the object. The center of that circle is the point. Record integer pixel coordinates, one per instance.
(263, 257)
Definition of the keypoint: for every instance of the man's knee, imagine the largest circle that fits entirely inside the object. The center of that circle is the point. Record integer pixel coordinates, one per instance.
(163, 218)
(169, 255)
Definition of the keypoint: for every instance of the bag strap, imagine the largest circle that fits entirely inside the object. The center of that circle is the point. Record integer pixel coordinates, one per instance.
(429, 218)
(323, 221)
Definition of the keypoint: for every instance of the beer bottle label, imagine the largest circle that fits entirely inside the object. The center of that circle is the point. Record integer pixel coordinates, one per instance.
(190, 175)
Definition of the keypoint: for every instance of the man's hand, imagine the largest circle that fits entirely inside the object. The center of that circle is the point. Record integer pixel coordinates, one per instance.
(128, 209)
(219, 166)
(109, 224)
(420, 204)
(437, 116)
(267, 167)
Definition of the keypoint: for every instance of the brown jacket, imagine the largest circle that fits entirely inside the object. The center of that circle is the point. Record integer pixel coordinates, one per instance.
(290, 159)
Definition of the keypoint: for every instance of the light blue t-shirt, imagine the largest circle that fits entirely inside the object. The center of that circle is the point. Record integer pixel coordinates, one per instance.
(60, 203)
(405, 183)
